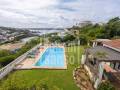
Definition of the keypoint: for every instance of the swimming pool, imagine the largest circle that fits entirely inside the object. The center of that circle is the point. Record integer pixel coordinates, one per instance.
(52, 58)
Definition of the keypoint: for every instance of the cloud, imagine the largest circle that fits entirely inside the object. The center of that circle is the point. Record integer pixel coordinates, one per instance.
(55, 13)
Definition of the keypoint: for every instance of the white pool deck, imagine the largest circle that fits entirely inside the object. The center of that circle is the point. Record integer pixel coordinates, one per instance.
(29, 63)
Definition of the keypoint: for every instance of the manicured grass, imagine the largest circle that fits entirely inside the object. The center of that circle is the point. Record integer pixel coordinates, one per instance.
(53, 79)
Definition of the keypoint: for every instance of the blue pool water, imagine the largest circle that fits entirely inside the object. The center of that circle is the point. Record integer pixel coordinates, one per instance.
(52, 57)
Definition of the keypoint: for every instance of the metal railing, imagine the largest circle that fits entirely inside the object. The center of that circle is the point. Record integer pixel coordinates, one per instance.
(8, 68)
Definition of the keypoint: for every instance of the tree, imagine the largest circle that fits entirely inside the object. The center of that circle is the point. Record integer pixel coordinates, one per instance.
(83, 39)
(55, 39)
(68, 37)
(113, 27)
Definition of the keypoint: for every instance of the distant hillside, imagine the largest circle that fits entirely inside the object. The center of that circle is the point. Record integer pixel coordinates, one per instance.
(8, 34)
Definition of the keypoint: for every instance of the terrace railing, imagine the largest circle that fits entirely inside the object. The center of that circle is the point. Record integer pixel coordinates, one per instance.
(7, 69)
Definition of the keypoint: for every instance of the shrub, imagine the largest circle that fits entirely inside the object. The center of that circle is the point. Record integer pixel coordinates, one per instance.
(4, 53)
(106, 86)
(5, 60)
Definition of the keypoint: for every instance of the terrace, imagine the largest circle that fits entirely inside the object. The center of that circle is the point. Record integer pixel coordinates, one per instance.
(31, 58)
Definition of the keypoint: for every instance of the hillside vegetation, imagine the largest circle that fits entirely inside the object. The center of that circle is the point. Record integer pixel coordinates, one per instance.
(90, 31)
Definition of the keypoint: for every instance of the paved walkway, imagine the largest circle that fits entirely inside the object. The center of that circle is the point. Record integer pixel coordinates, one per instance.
(28, 63)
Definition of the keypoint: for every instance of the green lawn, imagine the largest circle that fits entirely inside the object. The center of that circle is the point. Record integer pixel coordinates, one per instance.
(53, 79)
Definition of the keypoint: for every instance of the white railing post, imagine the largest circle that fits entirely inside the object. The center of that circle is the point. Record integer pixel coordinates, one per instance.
(83, 59)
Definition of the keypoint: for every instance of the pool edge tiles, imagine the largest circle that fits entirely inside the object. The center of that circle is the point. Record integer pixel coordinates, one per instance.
(52, 67)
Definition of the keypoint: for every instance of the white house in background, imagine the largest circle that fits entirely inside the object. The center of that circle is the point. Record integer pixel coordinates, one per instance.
(11, 38)
(83, 23)
(62, 34)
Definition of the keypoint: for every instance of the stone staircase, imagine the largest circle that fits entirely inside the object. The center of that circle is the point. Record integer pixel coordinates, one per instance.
(82, 79)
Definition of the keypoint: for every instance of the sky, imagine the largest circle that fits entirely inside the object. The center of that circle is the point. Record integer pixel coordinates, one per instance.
(55, 13)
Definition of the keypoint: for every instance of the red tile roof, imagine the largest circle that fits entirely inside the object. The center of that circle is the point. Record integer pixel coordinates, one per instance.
(107, 68)
(113, 44)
